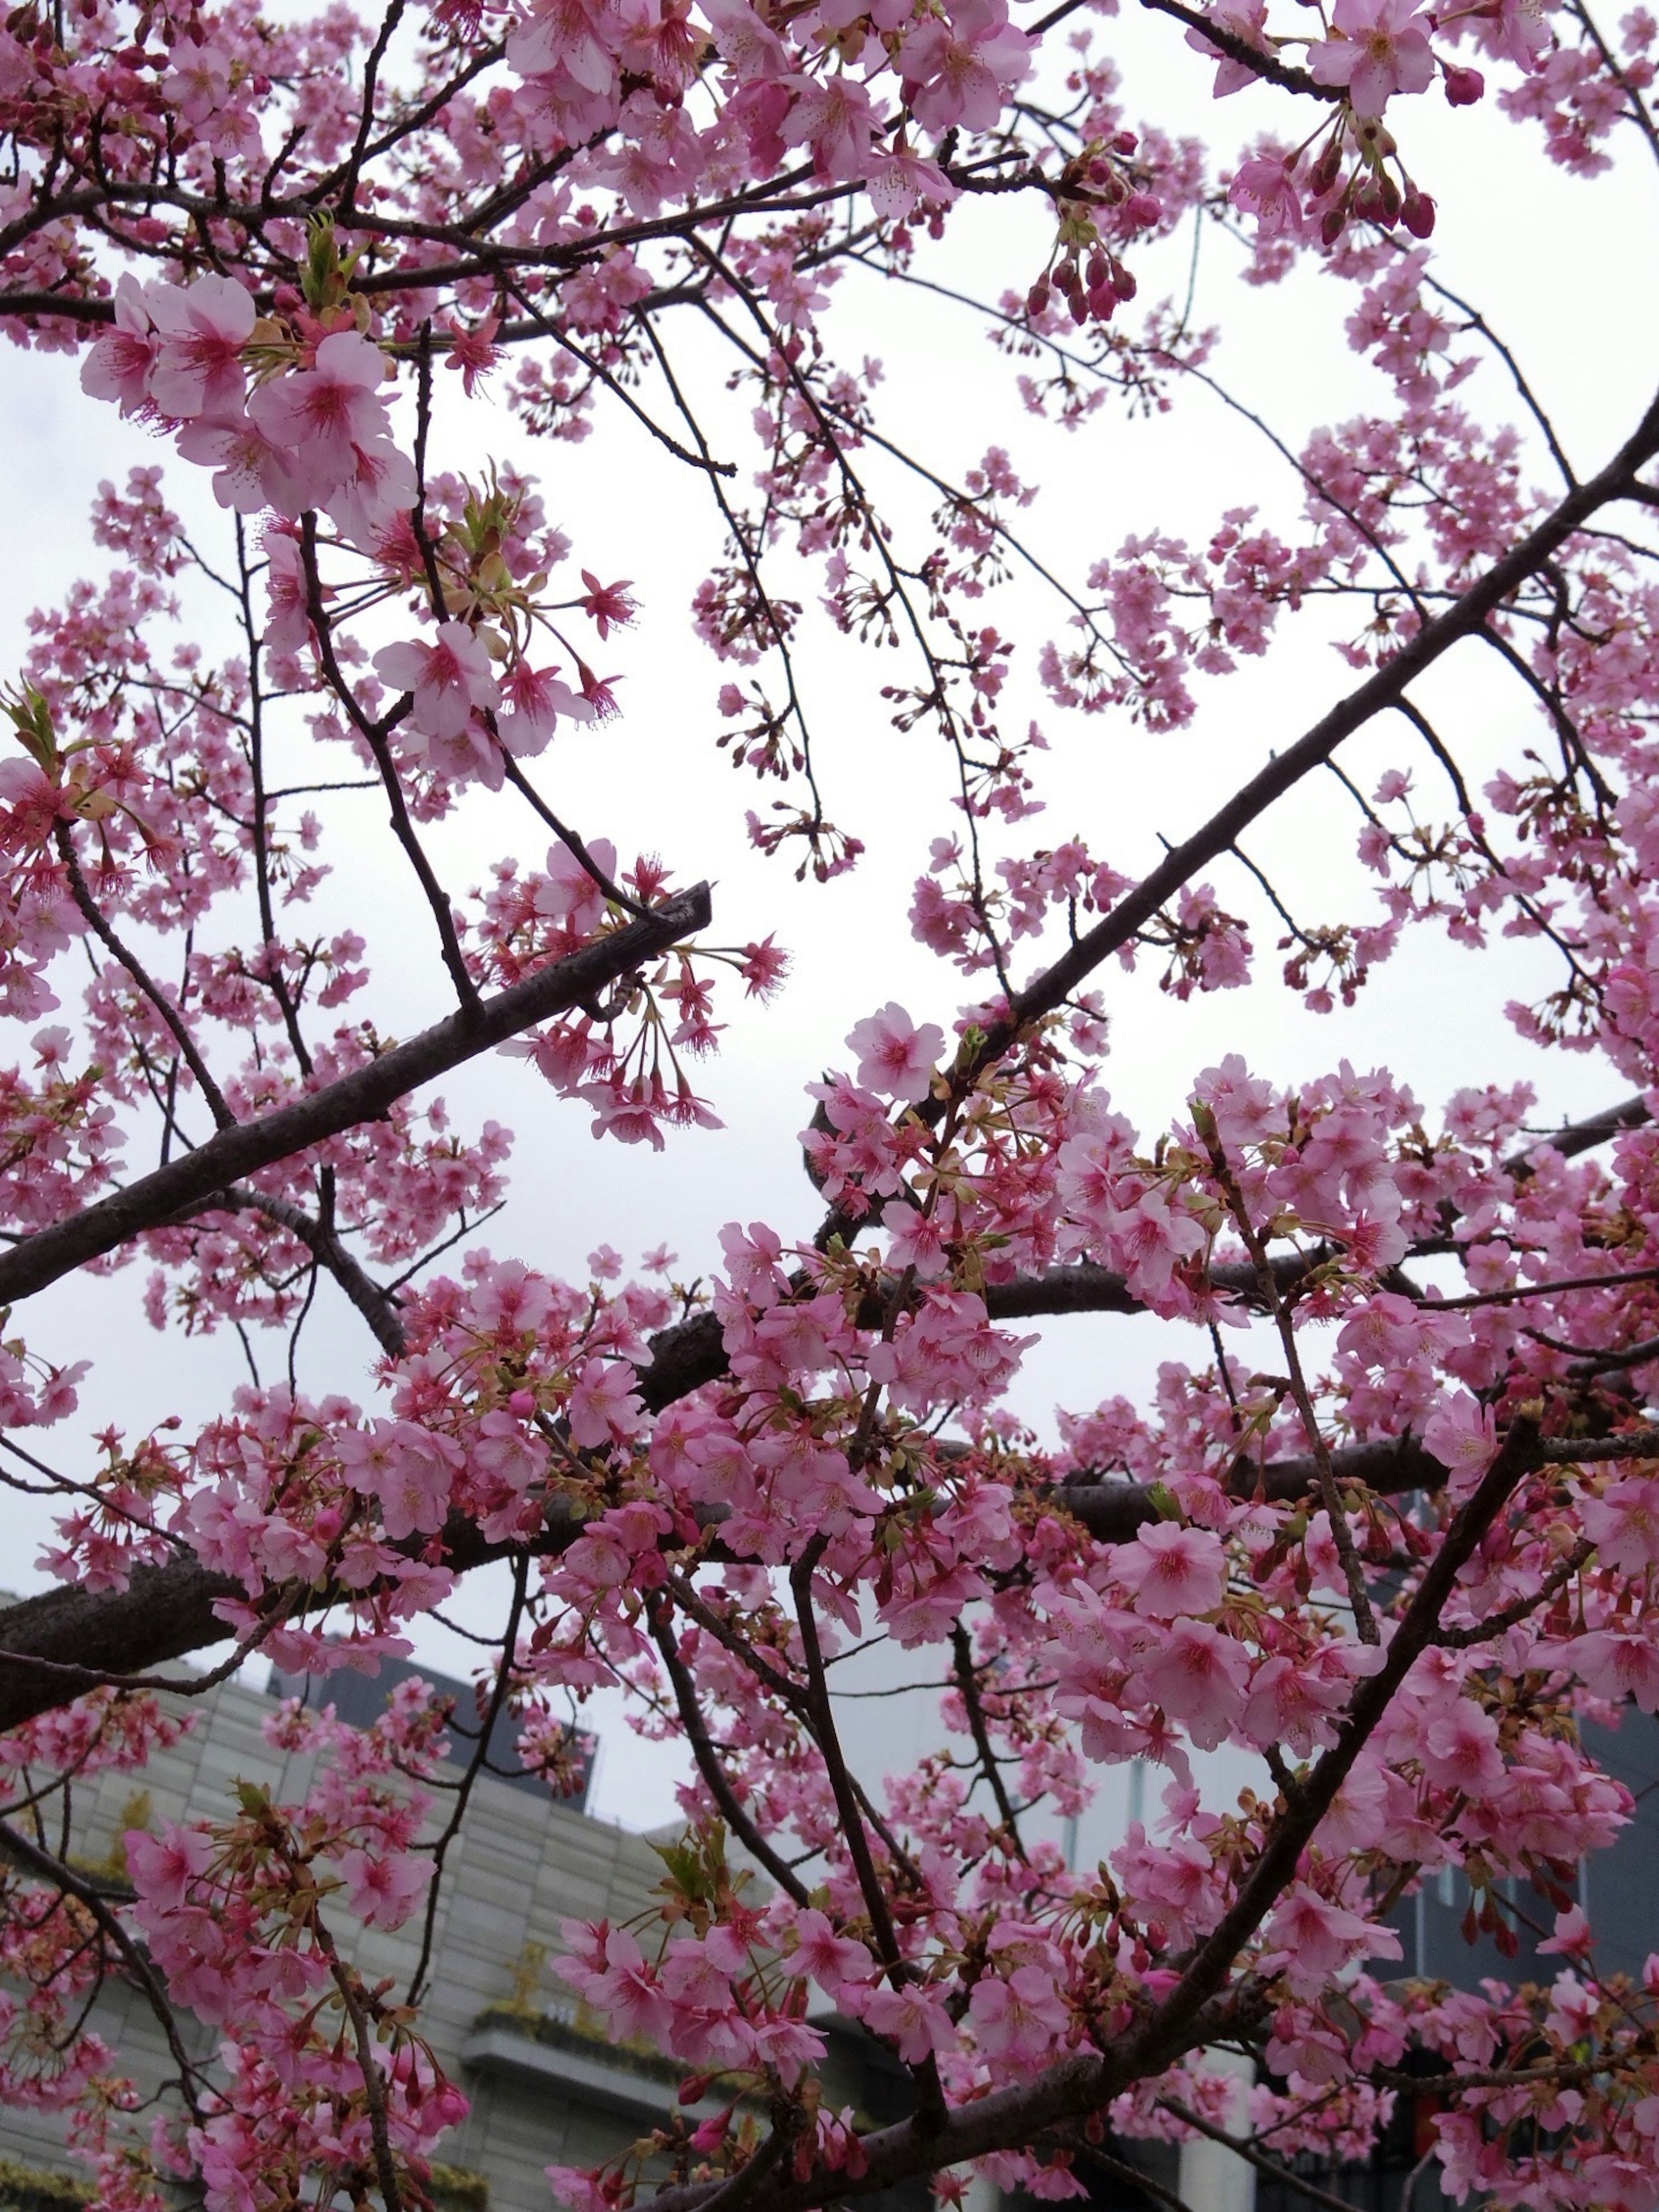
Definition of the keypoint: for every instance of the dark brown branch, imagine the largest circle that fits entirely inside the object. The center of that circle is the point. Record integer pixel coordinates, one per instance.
(487, 1720)
(378, 1307)
(81, 891)
(373, 735)
(1282, 2174)
(717, 1781)
(1575, 1137)
(961, 1646)
(1267, 66)
(17, 1846)
(365, 1095)
(1467, 618)
(78, 1638)
(57, 303)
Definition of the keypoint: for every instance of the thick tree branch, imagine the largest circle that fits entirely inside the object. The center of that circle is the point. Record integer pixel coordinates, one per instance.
(79, 1638)
(167, 1612)
(1466, 617)
(365, 1095)
(378, 1307)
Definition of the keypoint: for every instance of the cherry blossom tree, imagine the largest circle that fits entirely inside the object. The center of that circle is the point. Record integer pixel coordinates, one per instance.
(1390, 1531)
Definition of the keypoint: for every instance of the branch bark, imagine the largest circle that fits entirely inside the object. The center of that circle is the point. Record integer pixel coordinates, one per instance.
(1466, 617)
(167, 1612)
(365, 1095)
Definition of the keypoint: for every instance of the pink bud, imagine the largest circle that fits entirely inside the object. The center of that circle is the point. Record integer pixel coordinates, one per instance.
(1463, 86)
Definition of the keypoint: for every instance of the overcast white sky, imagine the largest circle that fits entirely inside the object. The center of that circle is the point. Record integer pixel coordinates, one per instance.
(1538, 252)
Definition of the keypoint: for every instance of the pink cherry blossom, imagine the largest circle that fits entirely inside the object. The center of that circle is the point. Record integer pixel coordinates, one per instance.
(834, 1962)
(959, 68)
(450, 677)
(1317, 1937)
(1169, 1571)
(1380, 47)
(317, 416)
(1199, 1677)
(912, 2018)
(383, 1891)
(197, 84)
(602, 1406)
(532, 701)
(895, 1056)
(119, 365)
(1017, 2017)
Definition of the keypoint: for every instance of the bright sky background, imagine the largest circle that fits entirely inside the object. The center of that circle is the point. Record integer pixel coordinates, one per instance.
(1558, 266)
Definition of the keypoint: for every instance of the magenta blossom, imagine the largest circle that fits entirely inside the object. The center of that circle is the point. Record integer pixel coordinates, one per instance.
(895, 1056)
(384, 1890)
(1266, 189)
(1247, 22)
(448, 678)
(319, 416)
(118, 366)
(961, 71)
(198, 84)
(533, 700)
(1380, 47)
(203, 327)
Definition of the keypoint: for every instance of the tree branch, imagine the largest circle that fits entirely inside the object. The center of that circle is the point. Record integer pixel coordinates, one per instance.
(1466, 618)
(365, 1095)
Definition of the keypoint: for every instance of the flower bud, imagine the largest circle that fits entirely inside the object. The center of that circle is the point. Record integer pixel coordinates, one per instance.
(1463, 86)
(1417, 212)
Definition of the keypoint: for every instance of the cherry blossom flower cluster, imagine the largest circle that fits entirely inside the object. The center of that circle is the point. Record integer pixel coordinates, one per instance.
(1386, 1525)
